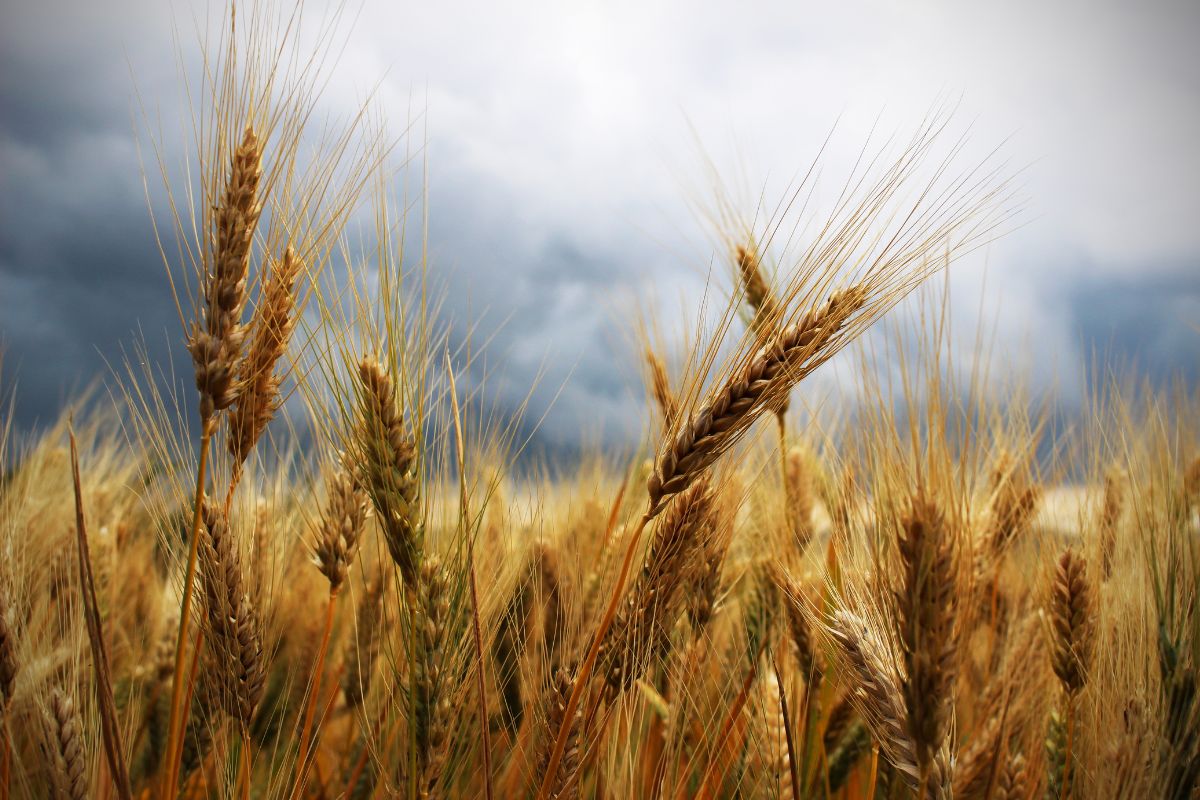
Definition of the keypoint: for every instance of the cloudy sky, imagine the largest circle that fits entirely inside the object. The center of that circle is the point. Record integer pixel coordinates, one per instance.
(566, 141)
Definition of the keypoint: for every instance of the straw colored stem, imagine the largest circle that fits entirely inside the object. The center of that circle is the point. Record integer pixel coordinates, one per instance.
(464, 512)
(589, 662)
(787, 730)
(310, 709)
(5, 761)
(178, 716)
(735, 711)
(245, 765)
(1066, 787)
(104, 691)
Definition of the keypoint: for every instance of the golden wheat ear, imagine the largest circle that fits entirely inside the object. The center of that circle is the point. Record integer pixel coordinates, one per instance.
(1071, 613)
(234, 631)
(731, 408)
(926, 601)
(387, 458)
(257, 386)
(216, 342)
(341, 527)
(68, 762)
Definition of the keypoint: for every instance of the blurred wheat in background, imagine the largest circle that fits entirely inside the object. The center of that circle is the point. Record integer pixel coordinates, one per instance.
(326, 571)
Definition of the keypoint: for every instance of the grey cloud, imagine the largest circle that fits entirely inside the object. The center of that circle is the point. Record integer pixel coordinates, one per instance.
(1150, 326)
(547, 213)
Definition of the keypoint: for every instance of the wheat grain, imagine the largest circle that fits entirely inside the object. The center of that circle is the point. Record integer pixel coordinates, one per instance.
(216, 347)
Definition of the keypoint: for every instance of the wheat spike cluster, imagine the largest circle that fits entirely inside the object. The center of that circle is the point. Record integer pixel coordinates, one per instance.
(324, 566)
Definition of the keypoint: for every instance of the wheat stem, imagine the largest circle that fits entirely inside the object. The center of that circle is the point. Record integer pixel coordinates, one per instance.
(178, 716)
(310, 708)
(589, 662)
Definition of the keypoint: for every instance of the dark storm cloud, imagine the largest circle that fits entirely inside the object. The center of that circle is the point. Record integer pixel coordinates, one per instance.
(79, 269)
(551, 207)
(1150, 326)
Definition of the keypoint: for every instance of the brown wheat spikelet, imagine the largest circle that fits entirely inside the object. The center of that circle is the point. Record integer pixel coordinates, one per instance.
(68, 760)
(340, 528)
(562, 784)
(554, 608)
(799, 629)
(1012, 782)
(1191, 483)
(643, 624)
(877, 697)
(925, 602)
(761, 383)
(660, 386)
(432, 709)
(271, 330)
(758, 293)
(8, 657)
(387, 456)
(234, 633)
(1071, 620)
(216, 347)
(1112, 506)
(798, 497)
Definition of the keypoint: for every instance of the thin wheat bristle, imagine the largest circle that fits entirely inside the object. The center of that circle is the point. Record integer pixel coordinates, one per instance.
(341, 527)
(387, 456)
(216, 347)
(800, 630)
(1071, 619)
(234, 633)
(554, 604)
(508, 647)
(271, 330)
(1013, 504)
(706, 585)
(731, 408)
(363, 648)
(845, 756)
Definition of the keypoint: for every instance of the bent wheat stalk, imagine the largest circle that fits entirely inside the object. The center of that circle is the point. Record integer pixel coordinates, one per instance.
(712, 429)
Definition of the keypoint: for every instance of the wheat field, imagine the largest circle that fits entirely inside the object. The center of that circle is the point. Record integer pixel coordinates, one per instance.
(326, 568)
